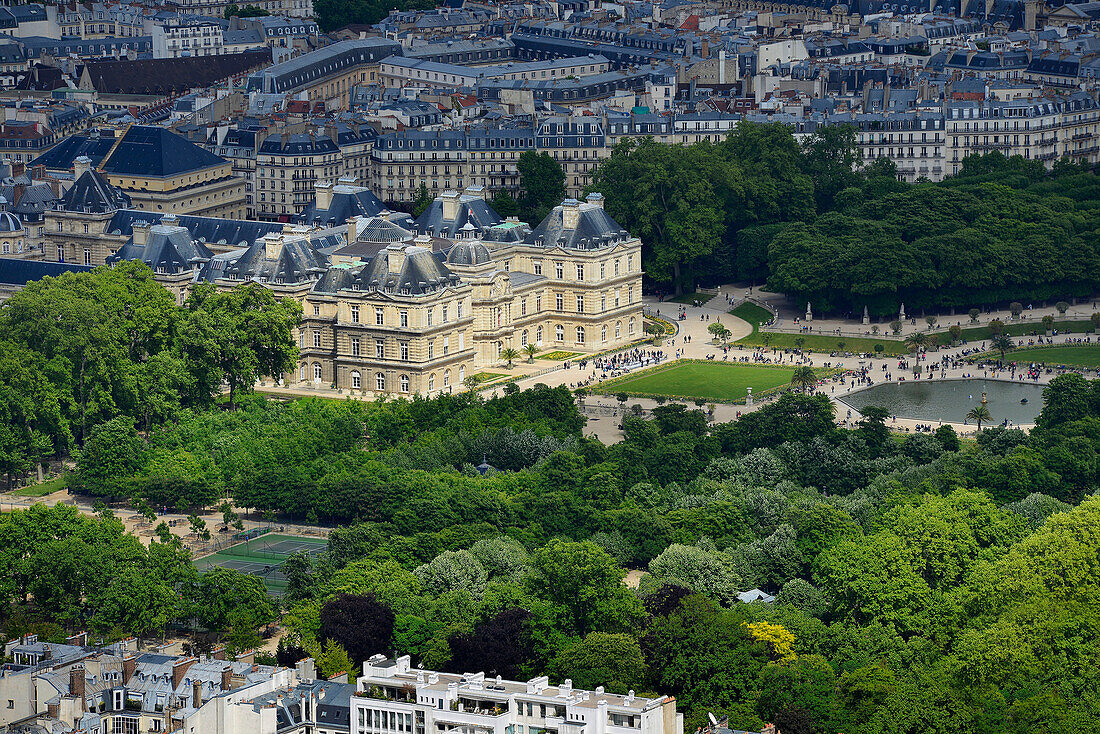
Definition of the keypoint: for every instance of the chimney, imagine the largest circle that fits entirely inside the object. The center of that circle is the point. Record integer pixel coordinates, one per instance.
(450, 205)
(705, 50)
(38, 172)
(53, 710)
(395, 258)
(81, 165)
(219, 652)
(17, 193)
(55, 186)
(77, 684)
(323, 194)
(595, 199)
(570, 213)
(307, 670)
(227, 677)
(246, 657)
(18, 169)
(475, 191)
(129, 665)
(196, 694)
(353, 229)
(80, 639)
(141, 233)
(179, 669)
(273, 245)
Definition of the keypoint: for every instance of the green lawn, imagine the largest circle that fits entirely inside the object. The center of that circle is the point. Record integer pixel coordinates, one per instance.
(821, 343)
(483, 377)
(689, 299)
(716, 381)
(1032, 326)
(1085, 355)
(752, 313)
(41, 490)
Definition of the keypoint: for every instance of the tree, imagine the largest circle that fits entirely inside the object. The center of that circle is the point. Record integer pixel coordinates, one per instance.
(931, 321)
(974, 314)
(358, 622)
(198, 528)
(718, 331)
(471, 383)
(1066, 399)
(248, 11)
(1048, 322)
(224, 597)
(956, 333)
(979, 414)
(879, 349)
(580, 577)
(1016, 308)
(453, 571)
(422, 201)
(996, 327)
(830, 157)
(600, 658)
(1003, 343)
(505, 204)
(238, 336)
(1061, 307)
(500, 645)
(542, 183)
(1095, 319)
(531, 351)
(509, 356)
(804, 378)
(916, 342)
(112, 456)
(895, 326)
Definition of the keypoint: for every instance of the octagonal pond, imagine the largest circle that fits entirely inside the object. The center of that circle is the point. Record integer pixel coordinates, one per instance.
(951, 400)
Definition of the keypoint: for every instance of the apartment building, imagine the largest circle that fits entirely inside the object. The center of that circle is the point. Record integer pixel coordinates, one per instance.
(176, 38)
(100, 20)
(216, 8)
(391, 697)
(288, 167)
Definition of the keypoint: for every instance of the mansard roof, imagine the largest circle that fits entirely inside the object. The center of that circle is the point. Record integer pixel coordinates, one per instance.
(588, 227)
(92, 193)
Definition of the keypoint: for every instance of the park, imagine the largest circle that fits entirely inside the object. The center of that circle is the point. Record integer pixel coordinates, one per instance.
(712, 381)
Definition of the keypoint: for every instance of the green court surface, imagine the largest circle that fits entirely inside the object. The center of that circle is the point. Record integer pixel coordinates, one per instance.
(263, 557)
(1085, 355)
(717, 381)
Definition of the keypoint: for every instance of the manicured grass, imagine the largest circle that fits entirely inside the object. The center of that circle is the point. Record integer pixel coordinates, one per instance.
(821, 343)
(41, 490)
(558, 356)
(717, 381)
(752, 313)
(1085, 355)
(689, 299)
(1031, 326)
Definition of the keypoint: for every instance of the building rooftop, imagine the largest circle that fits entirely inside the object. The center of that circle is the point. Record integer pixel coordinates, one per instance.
(156, 152)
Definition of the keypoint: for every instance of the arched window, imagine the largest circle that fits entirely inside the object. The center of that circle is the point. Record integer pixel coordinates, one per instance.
(302, 373)
(356, 379)
(618, 329)
(404, 383)
(603, 333)
(431, 382)
(580, 335)
(316, 372)
(538, 336)
(380, 382)
(630, 327)
(446, 378)
(523, 338)
(559, 333)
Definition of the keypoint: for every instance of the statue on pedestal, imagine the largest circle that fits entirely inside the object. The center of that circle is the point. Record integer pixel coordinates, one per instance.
(866, 316)
(809, 312)
(748, 400)
(901, 313)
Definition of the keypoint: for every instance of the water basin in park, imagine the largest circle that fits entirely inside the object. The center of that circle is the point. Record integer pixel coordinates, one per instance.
(951, 400)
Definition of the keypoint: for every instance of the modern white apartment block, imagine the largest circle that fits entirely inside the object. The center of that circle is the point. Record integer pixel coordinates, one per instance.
(392, 697)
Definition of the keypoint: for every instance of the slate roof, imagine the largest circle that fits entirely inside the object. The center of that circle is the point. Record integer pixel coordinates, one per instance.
(62, 155)
(297, 261)
(16, 271)
(9, 222)
(420, 273)
(92, 193)
(472, 209)
(37, 197)
(171, 76)
(154, 151)
(594, 229)
(347, 202)
(168, 249)
(468, 253)
(213, 230)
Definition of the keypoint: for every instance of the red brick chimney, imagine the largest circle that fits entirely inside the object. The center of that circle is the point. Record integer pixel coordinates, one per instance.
(219, 652)
(129, 665)
(77, 683)
(227, 677)
(179, 669)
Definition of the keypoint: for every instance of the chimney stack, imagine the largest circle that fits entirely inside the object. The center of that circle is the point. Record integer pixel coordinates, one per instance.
(80, 639)
(219, 652)
(323, 192)
(227, 677)
(273, 245)
(129, 665)
(81, 165)
(77, 686)
(196, 694)
(395, 258)
(179, 669)
(595, 199)
(450, 205)
(570, 213)
(140, 232)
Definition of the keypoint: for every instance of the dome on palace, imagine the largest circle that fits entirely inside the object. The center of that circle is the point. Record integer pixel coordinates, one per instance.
(468, 253)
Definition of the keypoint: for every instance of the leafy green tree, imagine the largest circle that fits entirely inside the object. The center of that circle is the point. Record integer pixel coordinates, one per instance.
(112, 456)
(531, 351)
(585, 581)
(542, 182)
(974, 314)
(509, 356)
(602, 659)
(804, 378)
(237, 337)
(830, 157)
(1061, 307)
(996, 327)
(808, 684)
(505, 204)
(223, 597)
(422, 201)
(956, 333)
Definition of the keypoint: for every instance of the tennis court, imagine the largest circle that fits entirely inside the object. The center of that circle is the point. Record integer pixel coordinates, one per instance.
(263, 557)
